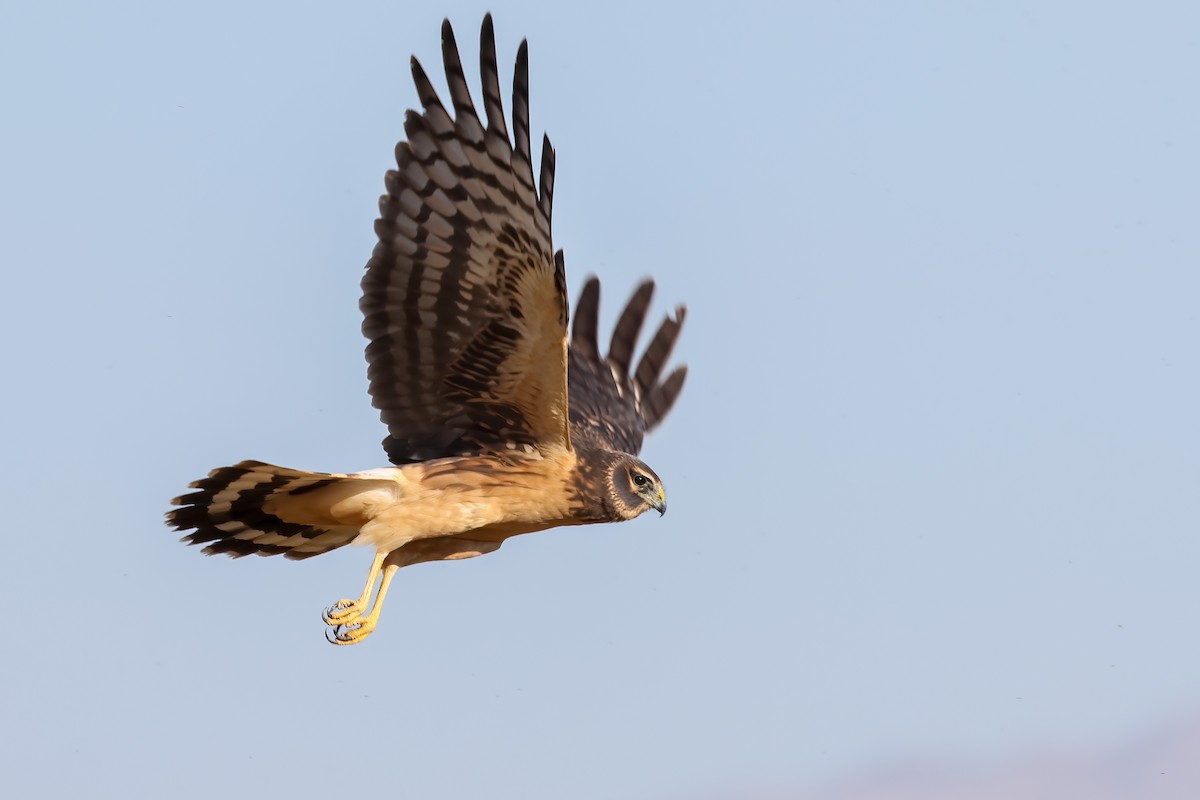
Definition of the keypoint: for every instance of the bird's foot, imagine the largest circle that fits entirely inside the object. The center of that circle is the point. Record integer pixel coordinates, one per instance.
(343, 612)
(351, 633)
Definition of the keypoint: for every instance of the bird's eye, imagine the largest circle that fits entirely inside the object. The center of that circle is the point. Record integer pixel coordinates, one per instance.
(639, 479)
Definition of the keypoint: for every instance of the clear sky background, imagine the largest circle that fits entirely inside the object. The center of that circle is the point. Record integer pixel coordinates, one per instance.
(933, 479)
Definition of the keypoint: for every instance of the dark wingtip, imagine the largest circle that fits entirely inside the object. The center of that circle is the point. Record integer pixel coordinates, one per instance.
(662, 398)
(521, 67)
(487, 37)
(546, 178)
(628, 328)
(658, 352)
(586, 327)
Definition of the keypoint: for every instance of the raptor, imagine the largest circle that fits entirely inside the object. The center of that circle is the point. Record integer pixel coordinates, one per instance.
(499, 422)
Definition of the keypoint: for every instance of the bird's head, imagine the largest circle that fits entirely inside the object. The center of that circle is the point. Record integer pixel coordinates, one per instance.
(634, 488)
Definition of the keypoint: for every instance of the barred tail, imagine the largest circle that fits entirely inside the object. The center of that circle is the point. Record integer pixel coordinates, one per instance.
(228, 510)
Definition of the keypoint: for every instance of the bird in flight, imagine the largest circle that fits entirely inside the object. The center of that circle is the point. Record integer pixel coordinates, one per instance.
(499, 423)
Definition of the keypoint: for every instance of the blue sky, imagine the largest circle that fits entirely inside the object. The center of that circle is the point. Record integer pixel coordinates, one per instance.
(932, 480)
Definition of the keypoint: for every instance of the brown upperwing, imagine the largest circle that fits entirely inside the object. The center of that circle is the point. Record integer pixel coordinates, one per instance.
(464, 298)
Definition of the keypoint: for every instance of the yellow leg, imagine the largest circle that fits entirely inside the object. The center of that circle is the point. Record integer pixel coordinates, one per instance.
(361, 627)
(345, 612)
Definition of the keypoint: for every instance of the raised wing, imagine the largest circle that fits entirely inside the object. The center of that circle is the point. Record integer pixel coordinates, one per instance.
(610, 407)
(464, 299)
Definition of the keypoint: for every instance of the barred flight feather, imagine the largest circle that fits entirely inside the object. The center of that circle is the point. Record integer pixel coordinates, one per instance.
(607, 408)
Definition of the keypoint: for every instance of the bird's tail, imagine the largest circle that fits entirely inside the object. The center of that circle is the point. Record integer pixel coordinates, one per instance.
(266, 510)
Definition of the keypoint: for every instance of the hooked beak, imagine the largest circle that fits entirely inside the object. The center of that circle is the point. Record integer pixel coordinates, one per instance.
(661, 504)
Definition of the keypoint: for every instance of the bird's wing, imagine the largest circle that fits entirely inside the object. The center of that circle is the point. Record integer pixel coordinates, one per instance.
(612, 407)
(464, 298)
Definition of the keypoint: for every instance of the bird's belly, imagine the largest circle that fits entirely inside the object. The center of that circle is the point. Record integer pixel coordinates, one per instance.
(486, 516)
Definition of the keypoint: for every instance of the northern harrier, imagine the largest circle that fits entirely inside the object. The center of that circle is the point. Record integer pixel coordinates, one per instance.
(468, 363)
